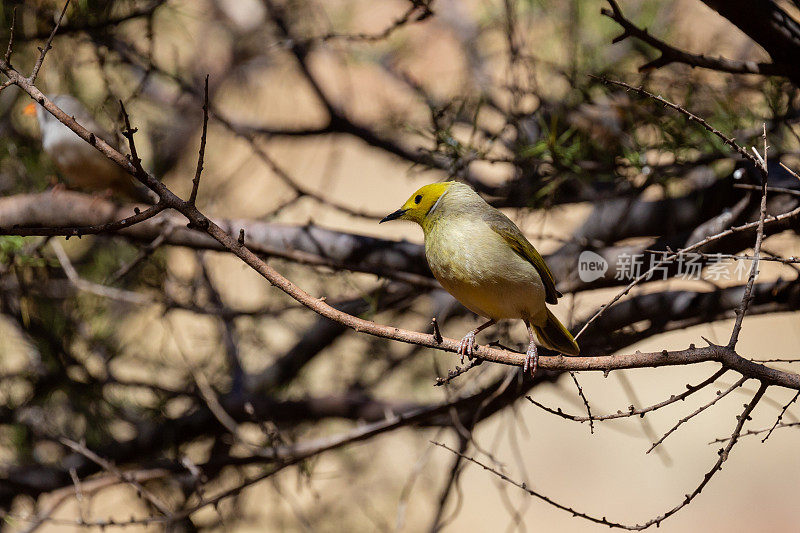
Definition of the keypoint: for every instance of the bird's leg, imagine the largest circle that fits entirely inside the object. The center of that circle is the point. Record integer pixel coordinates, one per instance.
(57, 186)
(467, 345)
(532, 354)
(106, 195)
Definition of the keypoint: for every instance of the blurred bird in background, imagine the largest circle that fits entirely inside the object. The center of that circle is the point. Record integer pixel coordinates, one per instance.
(82, 166)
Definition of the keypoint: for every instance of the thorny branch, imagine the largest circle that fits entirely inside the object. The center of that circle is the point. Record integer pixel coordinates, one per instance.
(632, 410)
(740, 312)
(699, 410)
(723, 456)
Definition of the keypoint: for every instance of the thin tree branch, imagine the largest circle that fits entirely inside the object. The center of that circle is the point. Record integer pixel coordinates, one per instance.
(740, 312)
(523, 486)
(723, 456)
(47, 46)
(202, 152)
(780, 416)
(632, 411)
(702, 408)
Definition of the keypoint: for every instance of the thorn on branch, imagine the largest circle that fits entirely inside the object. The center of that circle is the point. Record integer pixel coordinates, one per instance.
(711, 344)
(128, 133)
(437, 335)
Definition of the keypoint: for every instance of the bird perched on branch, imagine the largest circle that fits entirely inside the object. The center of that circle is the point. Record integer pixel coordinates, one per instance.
(482, 258)
(82, 165)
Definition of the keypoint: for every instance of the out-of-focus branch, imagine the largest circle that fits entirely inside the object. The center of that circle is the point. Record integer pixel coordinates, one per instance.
(670, 54)
(767, 24)
(73, 214)
(68, 213)
(143, 11)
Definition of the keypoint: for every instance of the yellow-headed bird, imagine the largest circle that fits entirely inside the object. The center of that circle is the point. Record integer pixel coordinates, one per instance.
(484, 260)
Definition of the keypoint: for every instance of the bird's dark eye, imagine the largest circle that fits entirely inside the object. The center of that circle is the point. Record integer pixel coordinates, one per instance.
(417, 198)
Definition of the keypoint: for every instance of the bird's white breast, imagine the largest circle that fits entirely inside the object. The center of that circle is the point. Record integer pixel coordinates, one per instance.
(477, 266)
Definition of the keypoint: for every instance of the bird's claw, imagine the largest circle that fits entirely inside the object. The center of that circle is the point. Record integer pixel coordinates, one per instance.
(467, 346)
(531, 359)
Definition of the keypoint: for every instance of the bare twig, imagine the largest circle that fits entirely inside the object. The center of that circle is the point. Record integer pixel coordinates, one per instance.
(95, 288)
(585, 402)
(47, 46)
(753, 432)
(780, 416)
(10, 48)
(79, 231)
(748, 291)
(112, 469)
(702, 408)
(458, 371)
(435, 325)
(723, 456)
(688, 114)
(632, 411)
(523, 486)
(201, 153)
(789, 170)
(781, 190)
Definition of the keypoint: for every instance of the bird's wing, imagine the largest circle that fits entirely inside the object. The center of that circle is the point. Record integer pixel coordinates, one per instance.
(504, 227)
(72, 106)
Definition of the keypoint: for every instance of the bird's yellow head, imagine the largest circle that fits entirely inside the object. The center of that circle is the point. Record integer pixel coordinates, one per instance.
(420, 204)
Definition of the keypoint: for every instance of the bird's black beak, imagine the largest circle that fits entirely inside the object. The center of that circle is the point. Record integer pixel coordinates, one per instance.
(392, 216)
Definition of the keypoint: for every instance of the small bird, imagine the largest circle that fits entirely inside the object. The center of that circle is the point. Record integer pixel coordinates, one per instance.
(482, 258)
(83, 166)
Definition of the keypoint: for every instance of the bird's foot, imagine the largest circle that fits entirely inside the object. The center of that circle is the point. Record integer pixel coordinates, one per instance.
(467, 346)
(57, 187)
(531, 359)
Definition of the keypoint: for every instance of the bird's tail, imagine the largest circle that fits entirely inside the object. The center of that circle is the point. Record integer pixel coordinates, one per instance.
(555, 336)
